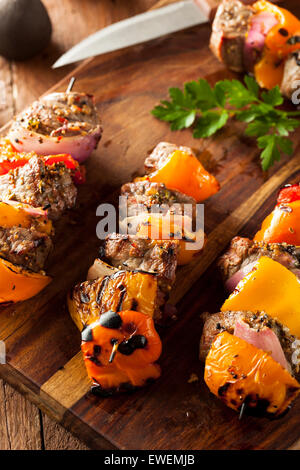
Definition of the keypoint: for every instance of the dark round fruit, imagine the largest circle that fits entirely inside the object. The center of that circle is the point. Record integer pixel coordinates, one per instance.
(87, 334)
(111, 320)
(25, 28)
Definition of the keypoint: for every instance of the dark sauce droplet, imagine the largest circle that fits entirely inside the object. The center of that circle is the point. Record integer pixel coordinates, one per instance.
(138, 341)
(284, 32)
(97, 350)
(87, 334)
(135, 342)
(111, 320)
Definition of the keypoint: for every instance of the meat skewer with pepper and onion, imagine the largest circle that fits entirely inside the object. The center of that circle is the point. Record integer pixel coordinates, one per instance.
(251, 348)
(136, 269)
(38, 184)
(262, 39)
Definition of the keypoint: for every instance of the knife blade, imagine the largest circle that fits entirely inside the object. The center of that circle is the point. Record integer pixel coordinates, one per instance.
(136, 30)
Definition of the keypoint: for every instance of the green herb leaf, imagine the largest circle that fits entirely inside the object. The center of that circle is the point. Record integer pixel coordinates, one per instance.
(273, 96)
(208, 109)
(210, 123)
(272, 144)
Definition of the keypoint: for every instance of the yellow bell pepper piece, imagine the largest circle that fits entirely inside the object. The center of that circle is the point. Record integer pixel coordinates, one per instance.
(18, 284)
(272, 288)
(173, 227)
(183, 172)
(14, 214)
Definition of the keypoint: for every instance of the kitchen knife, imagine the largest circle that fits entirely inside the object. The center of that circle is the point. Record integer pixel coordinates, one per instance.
(138, 29)
(167, 16)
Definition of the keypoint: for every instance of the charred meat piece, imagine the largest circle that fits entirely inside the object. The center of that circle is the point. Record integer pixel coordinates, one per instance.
(243, 253)
(229, 32)
(138, 254)
(122, 290)
(25, 247)
(258, 322)
(291, 75)
(40, 185)
(155, 197)
(160, 153)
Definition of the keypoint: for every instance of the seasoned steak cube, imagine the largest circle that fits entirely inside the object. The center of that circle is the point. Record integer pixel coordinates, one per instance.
(25, 247)
(243, 252)
(137, 254)
(154, 197)
(40, 185)
(229, 31)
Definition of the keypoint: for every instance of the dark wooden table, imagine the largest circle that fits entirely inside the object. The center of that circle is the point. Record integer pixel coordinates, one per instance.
(23, 425)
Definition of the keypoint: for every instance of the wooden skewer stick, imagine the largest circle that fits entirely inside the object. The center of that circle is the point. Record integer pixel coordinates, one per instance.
(243, 409)
(113, 352)
(71, 84)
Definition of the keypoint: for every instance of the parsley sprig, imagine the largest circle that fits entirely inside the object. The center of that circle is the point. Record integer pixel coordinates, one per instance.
(208, 109)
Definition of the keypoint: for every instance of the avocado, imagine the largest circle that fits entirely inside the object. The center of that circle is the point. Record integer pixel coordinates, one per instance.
(25, 28)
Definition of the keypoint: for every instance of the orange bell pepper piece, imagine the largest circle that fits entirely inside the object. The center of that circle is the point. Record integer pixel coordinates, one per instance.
(183, 172)
(269, 70)
(282, 225)
(14, 213)
(239, 373)
(18, 284)
(271, 288)
(276, 42)
(137, 346)
(173, 227)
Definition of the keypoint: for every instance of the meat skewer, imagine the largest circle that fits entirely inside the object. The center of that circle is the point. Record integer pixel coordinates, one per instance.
(36, 189)
(260, 38)
(137, 270)
(251, 348)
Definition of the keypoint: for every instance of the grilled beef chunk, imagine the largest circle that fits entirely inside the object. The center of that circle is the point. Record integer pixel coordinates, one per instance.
(225, 321)
(60, 114)
(122, 290)
(25, 247)
(154, 197)
(243, 252)
(160, 153)
(137, 254)
(229, 32)
(291, 75)
(40, 185)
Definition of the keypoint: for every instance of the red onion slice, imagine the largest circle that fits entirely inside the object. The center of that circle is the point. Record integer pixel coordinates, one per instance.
(79, 147)
(264, 339)
(233, 281)
(261, 24)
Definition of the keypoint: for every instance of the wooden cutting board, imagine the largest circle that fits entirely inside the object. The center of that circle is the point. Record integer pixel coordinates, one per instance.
(43, 345)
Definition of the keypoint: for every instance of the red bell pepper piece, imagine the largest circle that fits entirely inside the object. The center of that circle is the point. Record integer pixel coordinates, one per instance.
(289, 193)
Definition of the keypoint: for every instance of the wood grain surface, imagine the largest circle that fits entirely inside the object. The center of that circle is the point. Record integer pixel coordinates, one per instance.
(43, 360)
